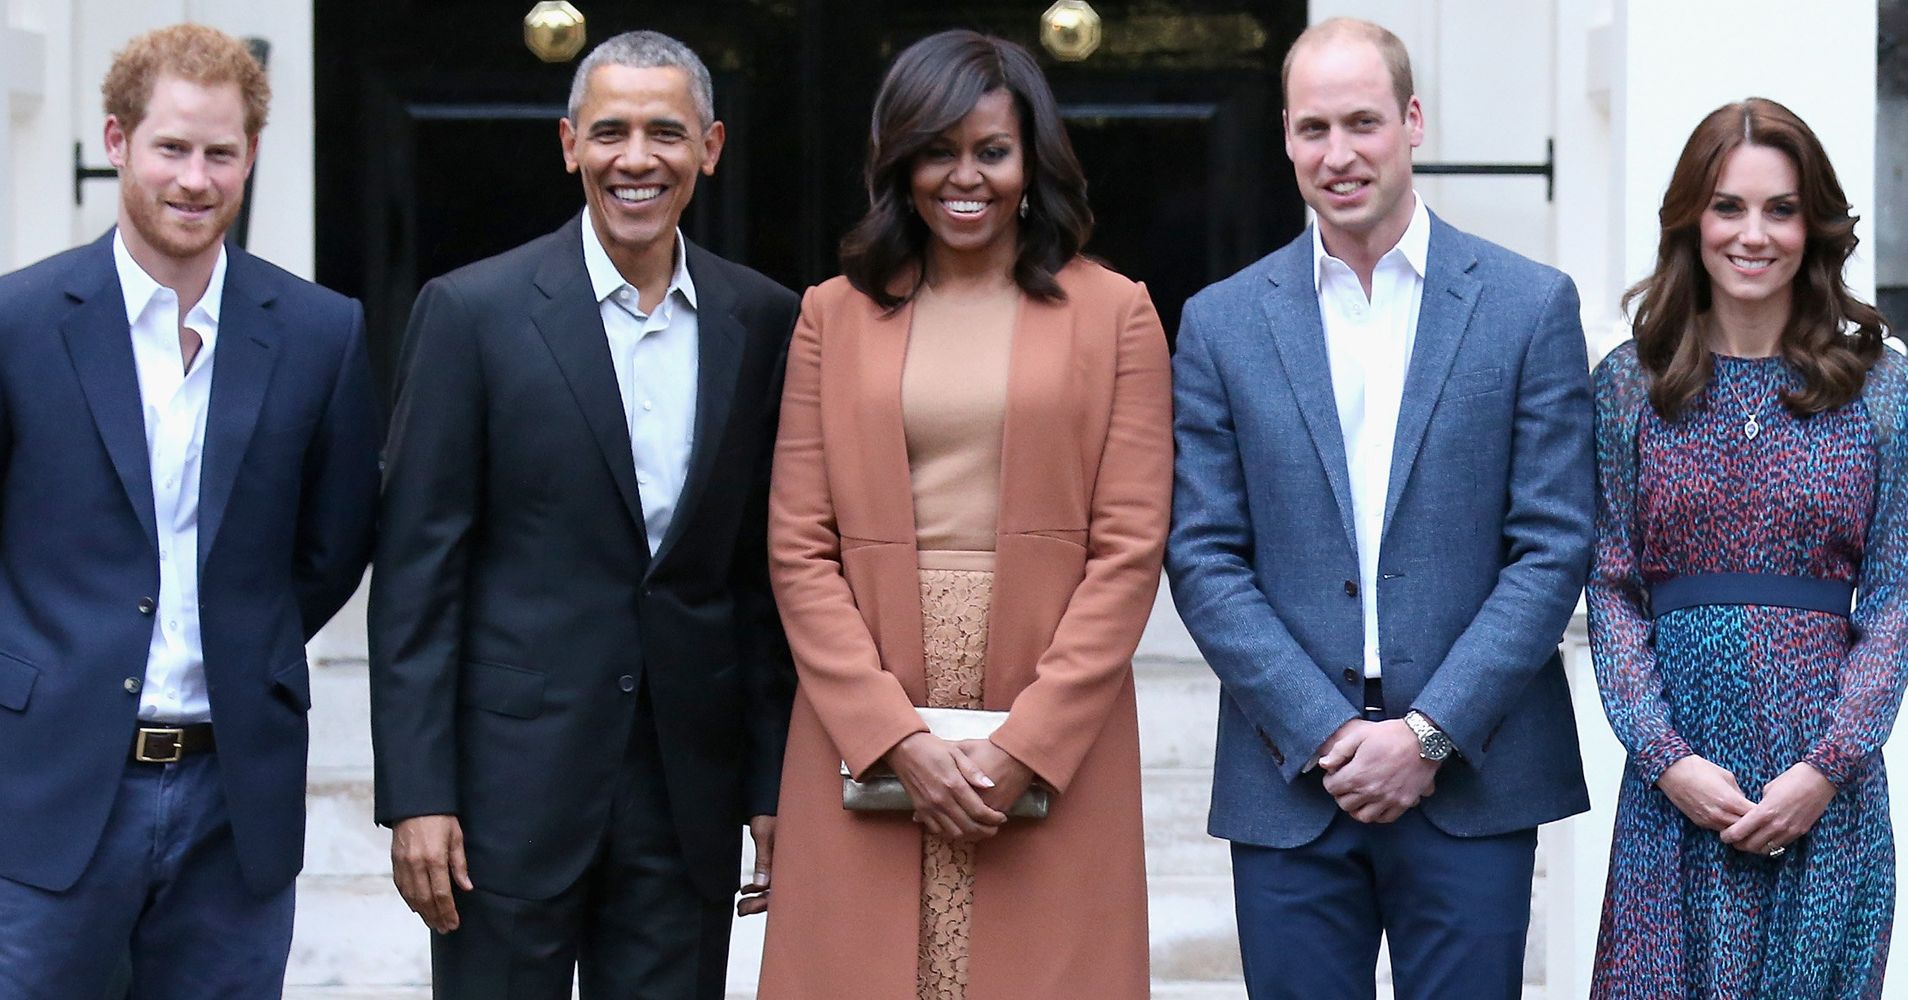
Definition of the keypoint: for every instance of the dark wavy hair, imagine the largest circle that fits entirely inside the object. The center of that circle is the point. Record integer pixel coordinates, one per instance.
(1817, 341)
(932, 85)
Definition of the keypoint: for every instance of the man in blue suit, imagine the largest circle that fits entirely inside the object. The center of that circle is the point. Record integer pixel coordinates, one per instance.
(1382, 519)
(188, 477)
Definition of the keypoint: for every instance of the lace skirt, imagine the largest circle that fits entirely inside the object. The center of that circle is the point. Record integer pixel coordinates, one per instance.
(954, 606)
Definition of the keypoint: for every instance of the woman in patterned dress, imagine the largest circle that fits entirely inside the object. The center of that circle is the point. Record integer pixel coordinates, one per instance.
(969, 506)
(1750, 448)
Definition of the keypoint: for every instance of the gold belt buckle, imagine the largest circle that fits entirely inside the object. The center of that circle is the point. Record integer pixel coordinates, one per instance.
(147, 737)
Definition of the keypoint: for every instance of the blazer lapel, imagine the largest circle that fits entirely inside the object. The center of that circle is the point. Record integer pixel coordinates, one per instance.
(242, 363)
(99, 341)
(1291, 313)
(1450, 295)
(571, 323)
(719, 338)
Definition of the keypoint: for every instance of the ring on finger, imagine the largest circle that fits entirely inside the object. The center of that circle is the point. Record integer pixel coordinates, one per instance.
(1777, 851)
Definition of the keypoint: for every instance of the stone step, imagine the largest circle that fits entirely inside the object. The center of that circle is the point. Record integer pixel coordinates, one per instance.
(354, 931)
(1160, 991)
(342, 840)
(1178, 710)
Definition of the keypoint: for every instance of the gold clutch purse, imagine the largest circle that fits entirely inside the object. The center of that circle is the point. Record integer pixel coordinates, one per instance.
(881, 791)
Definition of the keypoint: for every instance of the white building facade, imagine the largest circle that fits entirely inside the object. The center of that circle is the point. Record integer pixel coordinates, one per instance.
(1609, 88)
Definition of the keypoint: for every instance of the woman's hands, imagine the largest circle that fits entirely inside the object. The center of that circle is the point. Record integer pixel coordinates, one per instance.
(1791, 803)
(1011, 777)
(1705, 792)
(945, 785)
(1710, 797)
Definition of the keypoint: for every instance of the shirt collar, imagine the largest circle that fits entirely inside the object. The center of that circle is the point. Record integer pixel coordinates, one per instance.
(138, 287)
(1414, 247)
(605, 279)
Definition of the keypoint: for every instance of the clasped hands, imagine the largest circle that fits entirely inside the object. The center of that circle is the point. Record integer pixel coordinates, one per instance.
(1708, 794)
(1373, 770)
(961, 790)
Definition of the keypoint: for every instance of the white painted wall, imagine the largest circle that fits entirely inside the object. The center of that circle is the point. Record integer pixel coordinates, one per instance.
(69, 44)
(36, 43)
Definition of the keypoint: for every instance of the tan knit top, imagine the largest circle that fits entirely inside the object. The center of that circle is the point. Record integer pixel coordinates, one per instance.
(953, 406)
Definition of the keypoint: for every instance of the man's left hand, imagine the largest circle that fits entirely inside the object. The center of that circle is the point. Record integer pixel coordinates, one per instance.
(1384, 775)
(755, 895)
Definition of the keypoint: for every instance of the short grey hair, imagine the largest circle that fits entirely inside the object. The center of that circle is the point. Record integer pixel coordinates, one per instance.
(646, 50)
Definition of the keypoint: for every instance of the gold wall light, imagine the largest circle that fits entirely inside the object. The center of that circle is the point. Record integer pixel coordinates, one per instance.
(1070, 29)
(554, 31)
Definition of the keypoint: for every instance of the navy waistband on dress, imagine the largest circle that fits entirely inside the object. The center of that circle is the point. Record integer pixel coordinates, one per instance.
(1774, 590)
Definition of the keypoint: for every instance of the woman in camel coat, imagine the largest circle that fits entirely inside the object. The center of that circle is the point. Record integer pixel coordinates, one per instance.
(951, 292)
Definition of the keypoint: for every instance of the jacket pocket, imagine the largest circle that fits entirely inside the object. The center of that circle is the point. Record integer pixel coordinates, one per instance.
(17, 677)
(501, 688)
(293, 683)
(1473, 383)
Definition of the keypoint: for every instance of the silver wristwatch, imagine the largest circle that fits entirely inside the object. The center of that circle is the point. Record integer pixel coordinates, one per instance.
(1432, 743)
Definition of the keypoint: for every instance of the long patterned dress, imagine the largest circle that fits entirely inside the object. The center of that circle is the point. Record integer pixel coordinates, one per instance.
(1752, 687)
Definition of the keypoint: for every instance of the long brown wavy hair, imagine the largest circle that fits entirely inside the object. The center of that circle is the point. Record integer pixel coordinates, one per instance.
(1832, 337)
(932, 85)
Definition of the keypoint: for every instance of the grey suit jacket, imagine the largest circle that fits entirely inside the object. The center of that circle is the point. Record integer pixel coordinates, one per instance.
(1485, 544)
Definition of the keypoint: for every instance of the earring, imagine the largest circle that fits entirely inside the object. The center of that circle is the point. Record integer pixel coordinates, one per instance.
(1023, 206)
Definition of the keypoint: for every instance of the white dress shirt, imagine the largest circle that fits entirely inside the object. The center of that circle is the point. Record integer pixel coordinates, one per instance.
(174, 402)
(1369, 343)
(655, 357)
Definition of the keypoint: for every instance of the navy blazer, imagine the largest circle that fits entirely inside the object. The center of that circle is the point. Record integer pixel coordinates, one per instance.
(1485, 544)
(287, 503)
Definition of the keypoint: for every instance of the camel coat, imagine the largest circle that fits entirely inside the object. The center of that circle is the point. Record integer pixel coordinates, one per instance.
(1086, 470)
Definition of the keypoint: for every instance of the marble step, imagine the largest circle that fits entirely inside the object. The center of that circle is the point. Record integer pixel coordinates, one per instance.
(1160, 991)
(342, 840)
(1178, 709)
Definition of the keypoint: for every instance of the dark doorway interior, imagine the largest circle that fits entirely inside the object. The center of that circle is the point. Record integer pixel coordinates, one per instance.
(437, 138)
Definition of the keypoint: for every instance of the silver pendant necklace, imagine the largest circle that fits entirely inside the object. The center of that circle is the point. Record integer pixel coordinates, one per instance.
(1751, 425)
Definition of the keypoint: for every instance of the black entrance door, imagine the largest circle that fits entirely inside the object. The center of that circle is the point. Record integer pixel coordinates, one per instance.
(437, 136)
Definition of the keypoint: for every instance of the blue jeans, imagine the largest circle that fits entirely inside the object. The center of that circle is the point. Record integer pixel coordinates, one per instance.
(164, 886)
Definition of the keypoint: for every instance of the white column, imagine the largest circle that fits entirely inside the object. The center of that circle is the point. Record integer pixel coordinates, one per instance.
(22, 87)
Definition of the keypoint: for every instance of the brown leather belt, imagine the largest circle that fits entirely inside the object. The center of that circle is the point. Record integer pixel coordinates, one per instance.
(170, 744)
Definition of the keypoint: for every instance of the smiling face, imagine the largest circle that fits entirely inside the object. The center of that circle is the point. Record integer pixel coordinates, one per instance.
(1351, 144)
(966, 185)
(181, 174)
(639, 145)
(1752, 233)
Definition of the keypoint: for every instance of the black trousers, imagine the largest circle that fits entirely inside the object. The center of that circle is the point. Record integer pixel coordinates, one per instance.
(633, 927)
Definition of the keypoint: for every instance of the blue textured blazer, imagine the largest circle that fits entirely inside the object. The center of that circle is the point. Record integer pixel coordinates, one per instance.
(1485, 545)
(287, 504)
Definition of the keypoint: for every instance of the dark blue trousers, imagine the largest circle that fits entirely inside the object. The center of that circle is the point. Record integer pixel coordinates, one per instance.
(164, 884)
(1454, 912)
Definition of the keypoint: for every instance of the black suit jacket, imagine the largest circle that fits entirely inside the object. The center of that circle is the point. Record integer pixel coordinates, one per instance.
(515, 609)
(288, 491)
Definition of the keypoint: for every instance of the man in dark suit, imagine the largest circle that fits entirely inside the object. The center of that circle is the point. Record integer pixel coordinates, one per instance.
(579, 685)
(188, 482)
(1381, 522)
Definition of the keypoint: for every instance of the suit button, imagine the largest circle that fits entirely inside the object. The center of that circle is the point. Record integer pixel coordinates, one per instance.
(147, 605)
(132, 685)
(627, 683)
(1351, 588)
(1277, 757)
(1351, 677)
